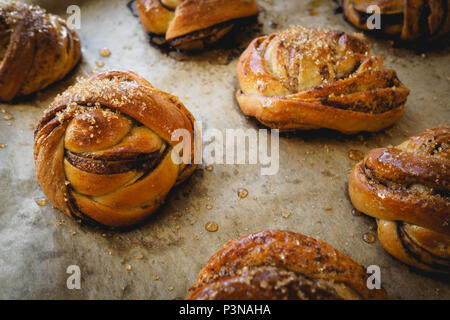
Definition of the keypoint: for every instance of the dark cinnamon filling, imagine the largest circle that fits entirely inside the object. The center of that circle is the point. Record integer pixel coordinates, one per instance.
(141, 162)
(419, 253)
(207, 35)
(442, 23)
(166, 6)
(425, 12)
(423, 20)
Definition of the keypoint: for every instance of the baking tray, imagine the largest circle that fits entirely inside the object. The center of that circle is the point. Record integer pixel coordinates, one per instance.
(160, 259)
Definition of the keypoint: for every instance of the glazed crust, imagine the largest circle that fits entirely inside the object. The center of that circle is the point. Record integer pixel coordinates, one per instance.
(407, 188)
(265, 259)
(264, 283)
(38, 49)
(315, 78)
(103, 149)
(409, 20)
(190, 24)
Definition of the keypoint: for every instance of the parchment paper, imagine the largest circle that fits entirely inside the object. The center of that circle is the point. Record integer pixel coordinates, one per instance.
(161, 259)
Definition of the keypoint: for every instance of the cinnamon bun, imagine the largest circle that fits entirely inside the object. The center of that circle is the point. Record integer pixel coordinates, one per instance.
(103, 150)
(276, 264)
(316, 78)
(36, 49)
(407, 188)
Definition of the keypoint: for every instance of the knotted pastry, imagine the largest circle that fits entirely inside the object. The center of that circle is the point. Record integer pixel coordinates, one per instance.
(103, 150)
(316, 78)
(408, 20)
(276, 264)
(36, 49)
(193, 24)
(407, 189)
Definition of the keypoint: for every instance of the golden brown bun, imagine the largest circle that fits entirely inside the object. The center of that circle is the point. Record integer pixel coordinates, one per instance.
(315, 78)
(103, 148)
(36, 49)
(409, 20)
(190, 24)
(407, 189)
(276, 264)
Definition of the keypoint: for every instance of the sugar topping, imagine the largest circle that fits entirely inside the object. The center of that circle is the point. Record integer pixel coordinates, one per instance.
(13, 11)
(303, 58)
(118, 90)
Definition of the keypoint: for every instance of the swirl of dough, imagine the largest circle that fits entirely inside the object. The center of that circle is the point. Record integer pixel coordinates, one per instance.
(408, 20)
